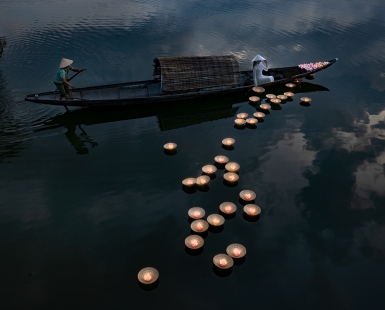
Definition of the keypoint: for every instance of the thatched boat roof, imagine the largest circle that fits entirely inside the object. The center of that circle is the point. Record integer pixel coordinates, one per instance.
(179, 74)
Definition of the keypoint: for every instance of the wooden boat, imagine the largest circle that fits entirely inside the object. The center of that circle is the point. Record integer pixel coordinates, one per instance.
(176, 79)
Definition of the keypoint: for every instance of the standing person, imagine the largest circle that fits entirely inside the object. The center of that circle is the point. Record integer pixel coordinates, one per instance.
(61, 78)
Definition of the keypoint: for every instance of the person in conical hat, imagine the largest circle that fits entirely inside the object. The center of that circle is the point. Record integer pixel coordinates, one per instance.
(61, 78)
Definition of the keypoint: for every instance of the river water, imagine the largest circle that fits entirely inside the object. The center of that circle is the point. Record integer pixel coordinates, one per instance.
(88, 198)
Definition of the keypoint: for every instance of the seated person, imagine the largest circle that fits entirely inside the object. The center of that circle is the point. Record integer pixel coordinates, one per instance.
(260, 64)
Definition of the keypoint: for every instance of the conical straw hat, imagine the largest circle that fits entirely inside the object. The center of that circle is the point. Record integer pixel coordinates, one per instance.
(65, 63)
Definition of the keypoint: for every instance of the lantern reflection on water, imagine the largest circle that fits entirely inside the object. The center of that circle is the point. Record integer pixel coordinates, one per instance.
(252, 209)
(228, 141)
(223, 261)
(209, 169)
(221, 159)
(215, 219)
(242, 115)
(258, 89)
(228, 207)
(202, 180)
(247, 195)
(232, 166)
(148, 275)
(189, 182)
(259, 115)
(196, 212)
(170, 146)
(199, 226)
(194, 242)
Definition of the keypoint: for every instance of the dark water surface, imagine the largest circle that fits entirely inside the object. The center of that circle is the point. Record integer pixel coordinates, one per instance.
(88, 198)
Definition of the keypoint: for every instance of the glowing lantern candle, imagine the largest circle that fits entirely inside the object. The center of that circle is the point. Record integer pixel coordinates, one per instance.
(196, 213)
(236, 250)
(215, 219)
(228, 207)
(170, 146)
(271, 96)
(148, 275)
(282, 97)
(288, 94)
(247, 195)
(194, 242)
(290, 85)
(232, 166)
(254, 99)
(297, 81)
(228, 141)
(305, 99)
(202, 180)
(252, 209)
(199, 226)
(221, 159)
(242, 115)
(189, 182)
(275, 101)
(223, 261)
(209, 169)
(231, 177)
(239, 121)
(251, 121)
(265, 106)
(259, 115)
(258, 89)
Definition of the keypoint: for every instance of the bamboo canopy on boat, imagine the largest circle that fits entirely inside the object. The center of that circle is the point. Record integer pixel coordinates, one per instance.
(180, 74)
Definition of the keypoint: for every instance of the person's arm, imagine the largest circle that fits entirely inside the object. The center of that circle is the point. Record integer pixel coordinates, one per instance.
(68, 84)
(76, 70)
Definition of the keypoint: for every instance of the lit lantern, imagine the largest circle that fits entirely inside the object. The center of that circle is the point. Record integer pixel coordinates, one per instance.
(265, 106)
(282, 97)
(148, 275)
(242, 115)
(271, 96)
(194, 242)
(221, 159)
(228, 207)
(290, 85)
(215, 219)
(297, 80)
(202, 180)
(189, 182)
(170, 146)
(305, 99)
(228, 141)
(196, 213)
(259, 115)
(236, 250)
(239, 121)
(275, 101)
(252, 209)
(232, 166)
(251, 121)
(288, 94)
(312, 74)
(223, 261)
(209, 169)
(254, 99)
(231, 177)
(258, 89)
(247, 195)
(199, 226)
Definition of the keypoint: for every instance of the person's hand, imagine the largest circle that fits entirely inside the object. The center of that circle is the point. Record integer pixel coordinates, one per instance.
(73, 86)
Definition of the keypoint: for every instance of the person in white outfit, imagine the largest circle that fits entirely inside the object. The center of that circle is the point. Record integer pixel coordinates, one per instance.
(260, 64)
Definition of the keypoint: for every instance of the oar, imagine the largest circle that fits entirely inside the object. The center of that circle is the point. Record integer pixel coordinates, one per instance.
(75, 75)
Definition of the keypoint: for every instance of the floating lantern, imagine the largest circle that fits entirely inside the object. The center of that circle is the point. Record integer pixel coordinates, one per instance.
(228, 141)
(271, 96)
(232, 166)
(251, 121)
(236, 250)
(215, 219)
(254, 99)
(288, 94)
(228, 207)
(170, 146)
(202, 180)
(258, 89)
(297, 80)
(252, 210)
(189, 182)
(305, 99)
(209, 169)
(282, 97)
(259, 115)
(199, 226)
(242, 115)
(194, 242)
(223, 261)
(231, 177)
(239, 121)
(275, 101)
(221, 159)
(290, 85)
(148, 275)
(247, 195)
(265, 106)
(312, 74)
(196, 213)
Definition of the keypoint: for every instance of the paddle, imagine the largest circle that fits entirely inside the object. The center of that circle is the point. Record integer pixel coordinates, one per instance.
(75, 75)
